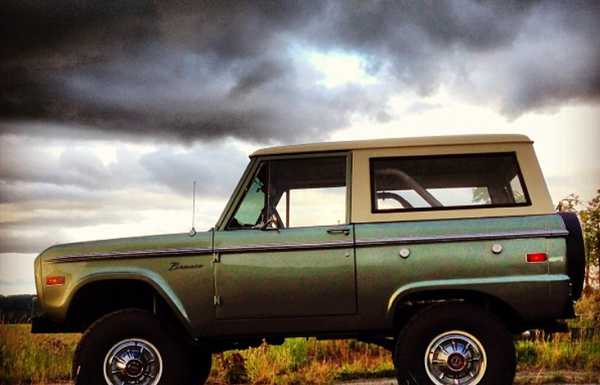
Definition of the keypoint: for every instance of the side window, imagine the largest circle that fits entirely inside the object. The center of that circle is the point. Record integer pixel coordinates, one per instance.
(308, 191)
(446, 181)
(295, 192)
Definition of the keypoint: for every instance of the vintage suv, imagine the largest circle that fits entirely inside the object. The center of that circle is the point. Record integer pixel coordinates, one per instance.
(439, 249)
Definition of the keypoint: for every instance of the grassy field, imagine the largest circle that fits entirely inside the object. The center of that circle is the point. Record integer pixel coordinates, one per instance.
(42, 359)
(39, 358)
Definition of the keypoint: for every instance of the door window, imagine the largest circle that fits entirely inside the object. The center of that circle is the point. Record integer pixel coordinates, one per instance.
(293, 193)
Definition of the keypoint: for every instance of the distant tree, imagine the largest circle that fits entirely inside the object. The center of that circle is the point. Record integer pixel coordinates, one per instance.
(15, 308)
(481, 195)
(569, 204)
(590, 223)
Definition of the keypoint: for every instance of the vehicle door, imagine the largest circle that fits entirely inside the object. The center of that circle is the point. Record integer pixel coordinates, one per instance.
(287, 249)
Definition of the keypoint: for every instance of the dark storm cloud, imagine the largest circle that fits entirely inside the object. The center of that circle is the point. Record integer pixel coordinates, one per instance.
(210, 69)
(519, 55)
(182, 71)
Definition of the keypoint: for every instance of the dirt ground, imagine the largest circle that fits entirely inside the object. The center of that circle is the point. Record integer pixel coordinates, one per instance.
(523, 378)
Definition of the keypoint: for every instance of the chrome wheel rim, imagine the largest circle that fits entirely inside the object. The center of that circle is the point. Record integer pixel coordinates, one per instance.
(455, 358)
(133, 361)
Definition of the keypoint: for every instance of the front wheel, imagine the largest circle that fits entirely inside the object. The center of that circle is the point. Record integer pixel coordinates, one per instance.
(130, 347)
(454, 344)
(202, 363)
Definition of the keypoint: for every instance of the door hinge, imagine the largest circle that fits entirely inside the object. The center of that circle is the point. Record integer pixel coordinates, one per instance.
(216, 258)
(217, 300)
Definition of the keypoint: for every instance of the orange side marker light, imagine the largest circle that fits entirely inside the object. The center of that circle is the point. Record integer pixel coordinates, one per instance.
(55, 280)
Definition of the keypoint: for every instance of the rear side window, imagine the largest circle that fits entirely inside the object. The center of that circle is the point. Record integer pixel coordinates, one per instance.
(446, 182)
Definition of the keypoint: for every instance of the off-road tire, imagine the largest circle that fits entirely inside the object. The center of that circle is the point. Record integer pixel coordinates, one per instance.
(431, 322)
(102, 335)
(201, 366)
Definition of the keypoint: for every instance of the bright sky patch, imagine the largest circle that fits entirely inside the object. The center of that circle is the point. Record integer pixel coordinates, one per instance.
(340, 69)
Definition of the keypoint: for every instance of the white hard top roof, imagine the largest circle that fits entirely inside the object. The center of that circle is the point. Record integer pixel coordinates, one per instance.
(393, 142)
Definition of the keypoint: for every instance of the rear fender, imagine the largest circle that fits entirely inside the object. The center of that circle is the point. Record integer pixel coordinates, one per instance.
(508, 290)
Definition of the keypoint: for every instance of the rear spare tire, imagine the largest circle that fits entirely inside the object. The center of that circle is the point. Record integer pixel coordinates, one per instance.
(575, 253)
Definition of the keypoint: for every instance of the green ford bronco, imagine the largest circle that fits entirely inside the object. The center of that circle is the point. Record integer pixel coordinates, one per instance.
(440, 249)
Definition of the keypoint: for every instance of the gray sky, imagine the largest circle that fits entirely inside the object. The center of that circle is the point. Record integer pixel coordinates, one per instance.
(109, 110)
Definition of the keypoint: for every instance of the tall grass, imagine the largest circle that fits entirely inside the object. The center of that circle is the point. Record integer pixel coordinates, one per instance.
(302, 361)
(37, 358)
(29, 358)
(560, 352)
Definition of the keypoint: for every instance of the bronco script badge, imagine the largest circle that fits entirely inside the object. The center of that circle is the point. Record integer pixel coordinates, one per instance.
(180, 266)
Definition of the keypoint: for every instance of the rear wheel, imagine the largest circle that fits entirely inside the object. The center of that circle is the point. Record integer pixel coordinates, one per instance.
(454, 344)
(130, 347)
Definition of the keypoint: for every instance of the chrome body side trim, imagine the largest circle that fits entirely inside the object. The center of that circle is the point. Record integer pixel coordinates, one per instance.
(132, 254)
(284, 247)
(157, 253)
(461, 237)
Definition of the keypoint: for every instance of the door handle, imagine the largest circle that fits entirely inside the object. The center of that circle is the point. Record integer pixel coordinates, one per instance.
(338, 231)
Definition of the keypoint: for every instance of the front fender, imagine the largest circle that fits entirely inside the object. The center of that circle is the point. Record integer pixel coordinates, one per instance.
(59, 299)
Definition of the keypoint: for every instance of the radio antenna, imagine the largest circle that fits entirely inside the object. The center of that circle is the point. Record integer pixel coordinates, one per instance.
(193, 230)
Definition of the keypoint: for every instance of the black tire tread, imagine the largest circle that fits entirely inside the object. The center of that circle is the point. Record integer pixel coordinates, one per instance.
(179, 370)
(92, 329)
(416, 321)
